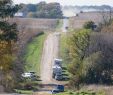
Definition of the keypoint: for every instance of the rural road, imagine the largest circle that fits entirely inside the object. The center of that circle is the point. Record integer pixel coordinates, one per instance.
(65, 24)
(50, 52)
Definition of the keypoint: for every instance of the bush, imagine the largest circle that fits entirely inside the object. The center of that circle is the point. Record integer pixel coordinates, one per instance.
(89, 25)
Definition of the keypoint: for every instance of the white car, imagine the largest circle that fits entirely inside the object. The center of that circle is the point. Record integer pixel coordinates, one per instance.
(27, 75)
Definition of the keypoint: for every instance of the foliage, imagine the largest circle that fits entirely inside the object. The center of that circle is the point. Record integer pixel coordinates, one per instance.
(42, 10)
(100, 58)
(81, 93)
(8, 38)
(91, 58)
(78, 45)
(89, 25)
(7, 9)
(107, 21)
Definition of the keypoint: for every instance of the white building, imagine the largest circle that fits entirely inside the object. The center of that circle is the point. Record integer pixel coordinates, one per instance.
(19, 14)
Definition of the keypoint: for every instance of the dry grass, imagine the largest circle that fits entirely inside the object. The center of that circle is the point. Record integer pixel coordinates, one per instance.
(29, 27)
(97, 88)
(41, 93)
(78, 21)
(32, 23)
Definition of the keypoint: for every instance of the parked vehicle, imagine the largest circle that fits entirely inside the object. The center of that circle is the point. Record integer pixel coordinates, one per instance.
(56, 70)
(54, 91)
(30, 75)
(59, 88)
(27, 75)
(58, 62)
(58, 76)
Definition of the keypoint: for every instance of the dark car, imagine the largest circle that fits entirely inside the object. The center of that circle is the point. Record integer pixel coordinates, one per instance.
(58, 77)
(60, 88)
(54, 91)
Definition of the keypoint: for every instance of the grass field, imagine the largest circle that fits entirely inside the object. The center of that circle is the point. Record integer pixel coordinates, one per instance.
(63, 44)
(24, 92)
(82, 93)
(33, 54)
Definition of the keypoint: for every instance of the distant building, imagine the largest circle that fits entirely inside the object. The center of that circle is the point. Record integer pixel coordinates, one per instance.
(19, 14)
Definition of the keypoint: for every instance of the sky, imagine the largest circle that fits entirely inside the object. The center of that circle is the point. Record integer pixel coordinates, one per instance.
(69, 2)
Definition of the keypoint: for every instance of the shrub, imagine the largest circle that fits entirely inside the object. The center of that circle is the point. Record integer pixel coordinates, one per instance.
(89, 25)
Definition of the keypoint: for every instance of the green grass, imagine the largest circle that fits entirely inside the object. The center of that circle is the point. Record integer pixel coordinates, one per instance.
(28, 92)
(63, 54)
(33, 54)
(63, 44)
(81, 93)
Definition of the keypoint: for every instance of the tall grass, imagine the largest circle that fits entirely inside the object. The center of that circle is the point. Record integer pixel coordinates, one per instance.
(33, 54)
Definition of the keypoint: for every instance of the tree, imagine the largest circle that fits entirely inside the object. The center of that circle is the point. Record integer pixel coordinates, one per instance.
(99, 59)
(43, 10)
(7, 9)
(91, 58)
(107, 21)
(8, 37)
(77, 47)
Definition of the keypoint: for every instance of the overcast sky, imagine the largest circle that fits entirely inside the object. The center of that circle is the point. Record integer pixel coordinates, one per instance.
(70, 2)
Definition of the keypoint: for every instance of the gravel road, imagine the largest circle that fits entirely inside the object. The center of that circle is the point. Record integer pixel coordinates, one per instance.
(50, 51)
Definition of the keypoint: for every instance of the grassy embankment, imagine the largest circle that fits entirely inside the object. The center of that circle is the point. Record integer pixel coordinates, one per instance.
(82, 93)
(33, 54)
(62, 53)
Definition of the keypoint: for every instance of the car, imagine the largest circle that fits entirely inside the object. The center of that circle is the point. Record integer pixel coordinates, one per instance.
(54, 91)
(60, 88)
(58, 76)
(26, 75)
(30, 75)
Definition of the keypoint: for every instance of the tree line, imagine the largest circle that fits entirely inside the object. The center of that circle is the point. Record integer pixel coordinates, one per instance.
(42, 10)
(9, 70)
(90, 59)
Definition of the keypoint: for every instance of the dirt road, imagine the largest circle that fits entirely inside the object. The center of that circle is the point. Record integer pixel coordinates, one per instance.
(50, 51)
(65, 24)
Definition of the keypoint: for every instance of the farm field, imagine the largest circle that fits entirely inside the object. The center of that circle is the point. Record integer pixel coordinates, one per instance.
(29, 28)
(77, 22)
(33, 23)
